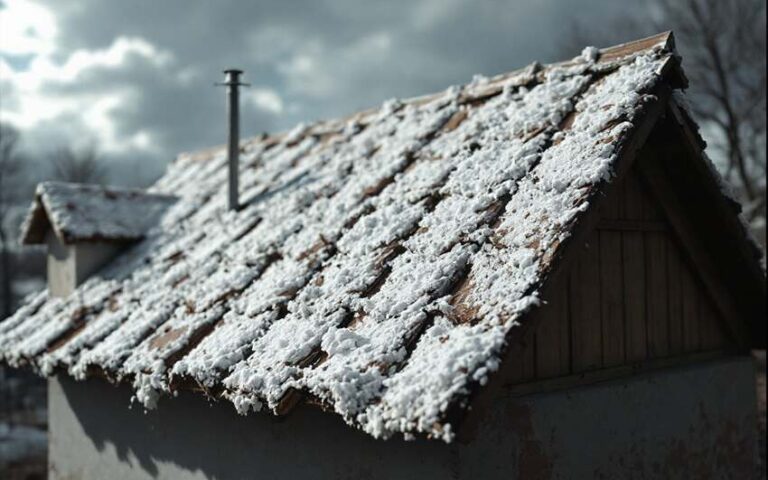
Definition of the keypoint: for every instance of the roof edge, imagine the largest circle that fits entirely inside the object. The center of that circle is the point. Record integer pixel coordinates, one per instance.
(32, 230)
(480, 396)
(664, 41)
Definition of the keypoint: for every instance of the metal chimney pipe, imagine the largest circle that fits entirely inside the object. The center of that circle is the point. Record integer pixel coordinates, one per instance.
(232, 82)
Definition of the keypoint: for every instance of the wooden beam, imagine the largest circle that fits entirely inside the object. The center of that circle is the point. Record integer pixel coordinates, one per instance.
(664, 40)
(553, 342)
(590, 378)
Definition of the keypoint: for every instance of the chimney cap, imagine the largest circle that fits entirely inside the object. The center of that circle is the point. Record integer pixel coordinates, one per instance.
(233, 78)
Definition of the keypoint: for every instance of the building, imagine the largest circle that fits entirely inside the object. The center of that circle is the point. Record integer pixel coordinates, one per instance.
(535, 275)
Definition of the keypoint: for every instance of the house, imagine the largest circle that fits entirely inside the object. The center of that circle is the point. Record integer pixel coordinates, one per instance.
(534, 275)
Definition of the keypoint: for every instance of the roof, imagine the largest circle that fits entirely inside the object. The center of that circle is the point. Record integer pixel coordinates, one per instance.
(78, 212)
(379, 263)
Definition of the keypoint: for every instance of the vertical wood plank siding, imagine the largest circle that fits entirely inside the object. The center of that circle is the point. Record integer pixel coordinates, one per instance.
(631, 296)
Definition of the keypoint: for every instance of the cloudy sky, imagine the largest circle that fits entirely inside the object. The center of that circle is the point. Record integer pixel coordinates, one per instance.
(135, 78)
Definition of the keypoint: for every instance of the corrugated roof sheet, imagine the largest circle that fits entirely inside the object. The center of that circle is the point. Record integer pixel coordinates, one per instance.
(380, 262)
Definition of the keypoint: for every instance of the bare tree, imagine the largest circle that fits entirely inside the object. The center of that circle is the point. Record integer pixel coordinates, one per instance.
(727, 67)
(79, 166)
(10, 166)
(723, 44)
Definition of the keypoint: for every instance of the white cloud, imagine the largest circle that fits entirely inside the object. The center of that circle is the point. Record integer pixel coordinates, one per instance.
(44, 91)
(45, 70)
(98, 119)
(265, 98)
(26, 28)
(317, 70)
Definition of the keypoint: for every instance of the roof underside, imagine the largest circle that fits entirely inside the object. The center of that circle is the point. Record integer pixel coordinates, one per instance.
(379, 263)
(77, 212)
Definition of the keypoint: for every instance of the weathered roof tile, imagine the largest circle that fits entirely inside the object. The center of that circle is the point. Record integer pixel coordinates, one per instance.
(379, 263)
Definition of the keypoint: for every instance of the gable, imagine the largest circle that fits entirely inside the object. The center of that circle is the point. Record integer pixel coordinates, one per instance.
(632, 296)
(706, 218)
(88, 213)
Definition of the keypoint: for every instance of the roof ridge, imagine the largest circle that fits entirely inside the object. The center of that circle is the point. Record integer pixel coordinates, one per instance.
(609, 57)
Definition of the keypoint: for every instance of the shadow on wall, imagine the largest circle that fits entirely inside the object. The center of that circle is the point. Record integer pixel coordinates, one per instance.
(697, 421)
(185, 437)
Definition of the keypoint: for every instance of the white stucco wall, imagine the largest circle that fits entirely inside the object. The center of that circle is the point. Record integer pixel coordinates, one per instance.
(677, 423)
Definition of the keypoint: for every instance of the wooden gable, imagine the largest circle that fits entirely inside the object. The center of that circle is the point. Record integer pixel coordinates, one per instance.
(652, 282)
(631, 296)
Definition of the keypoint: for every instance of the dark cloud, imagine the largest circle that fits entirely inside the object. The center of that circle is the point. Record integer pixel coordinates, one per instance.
(309, 59)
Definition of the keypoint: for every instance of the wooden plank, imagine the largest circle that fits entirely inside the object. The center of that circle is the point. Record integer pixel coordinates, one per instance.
(712, 337)
(690, 223)
(586, 330)
(529, 359)
(691, 338)
(740, 270)
(635, 331)
(635, 225)
(657, 295)
(634, 201)
(522, 364)
(651, 208)
(612, 208)
(552, 338)
(675, 297)
(632, 245)
(612, 298)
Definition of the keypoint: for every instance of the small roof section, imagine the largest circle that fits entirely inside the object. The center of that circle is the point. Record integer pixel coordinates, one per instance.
(81, 212)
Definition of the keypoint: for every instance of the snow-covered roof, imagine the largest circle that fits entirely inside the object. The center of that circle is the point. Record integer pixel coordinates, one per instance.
(379, 263)
(79, 212)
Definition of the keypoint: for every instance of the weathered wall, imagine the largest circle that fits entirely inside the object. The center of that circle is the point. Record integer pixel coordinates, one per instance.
(696, 422)
(91, 256)
(678, 423)
(71, 265)
(60, 266)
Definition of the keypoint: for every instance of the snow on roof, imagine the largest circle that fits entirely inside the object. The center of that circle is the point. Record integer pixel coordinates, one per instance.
(80, 212)
(379, 263)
